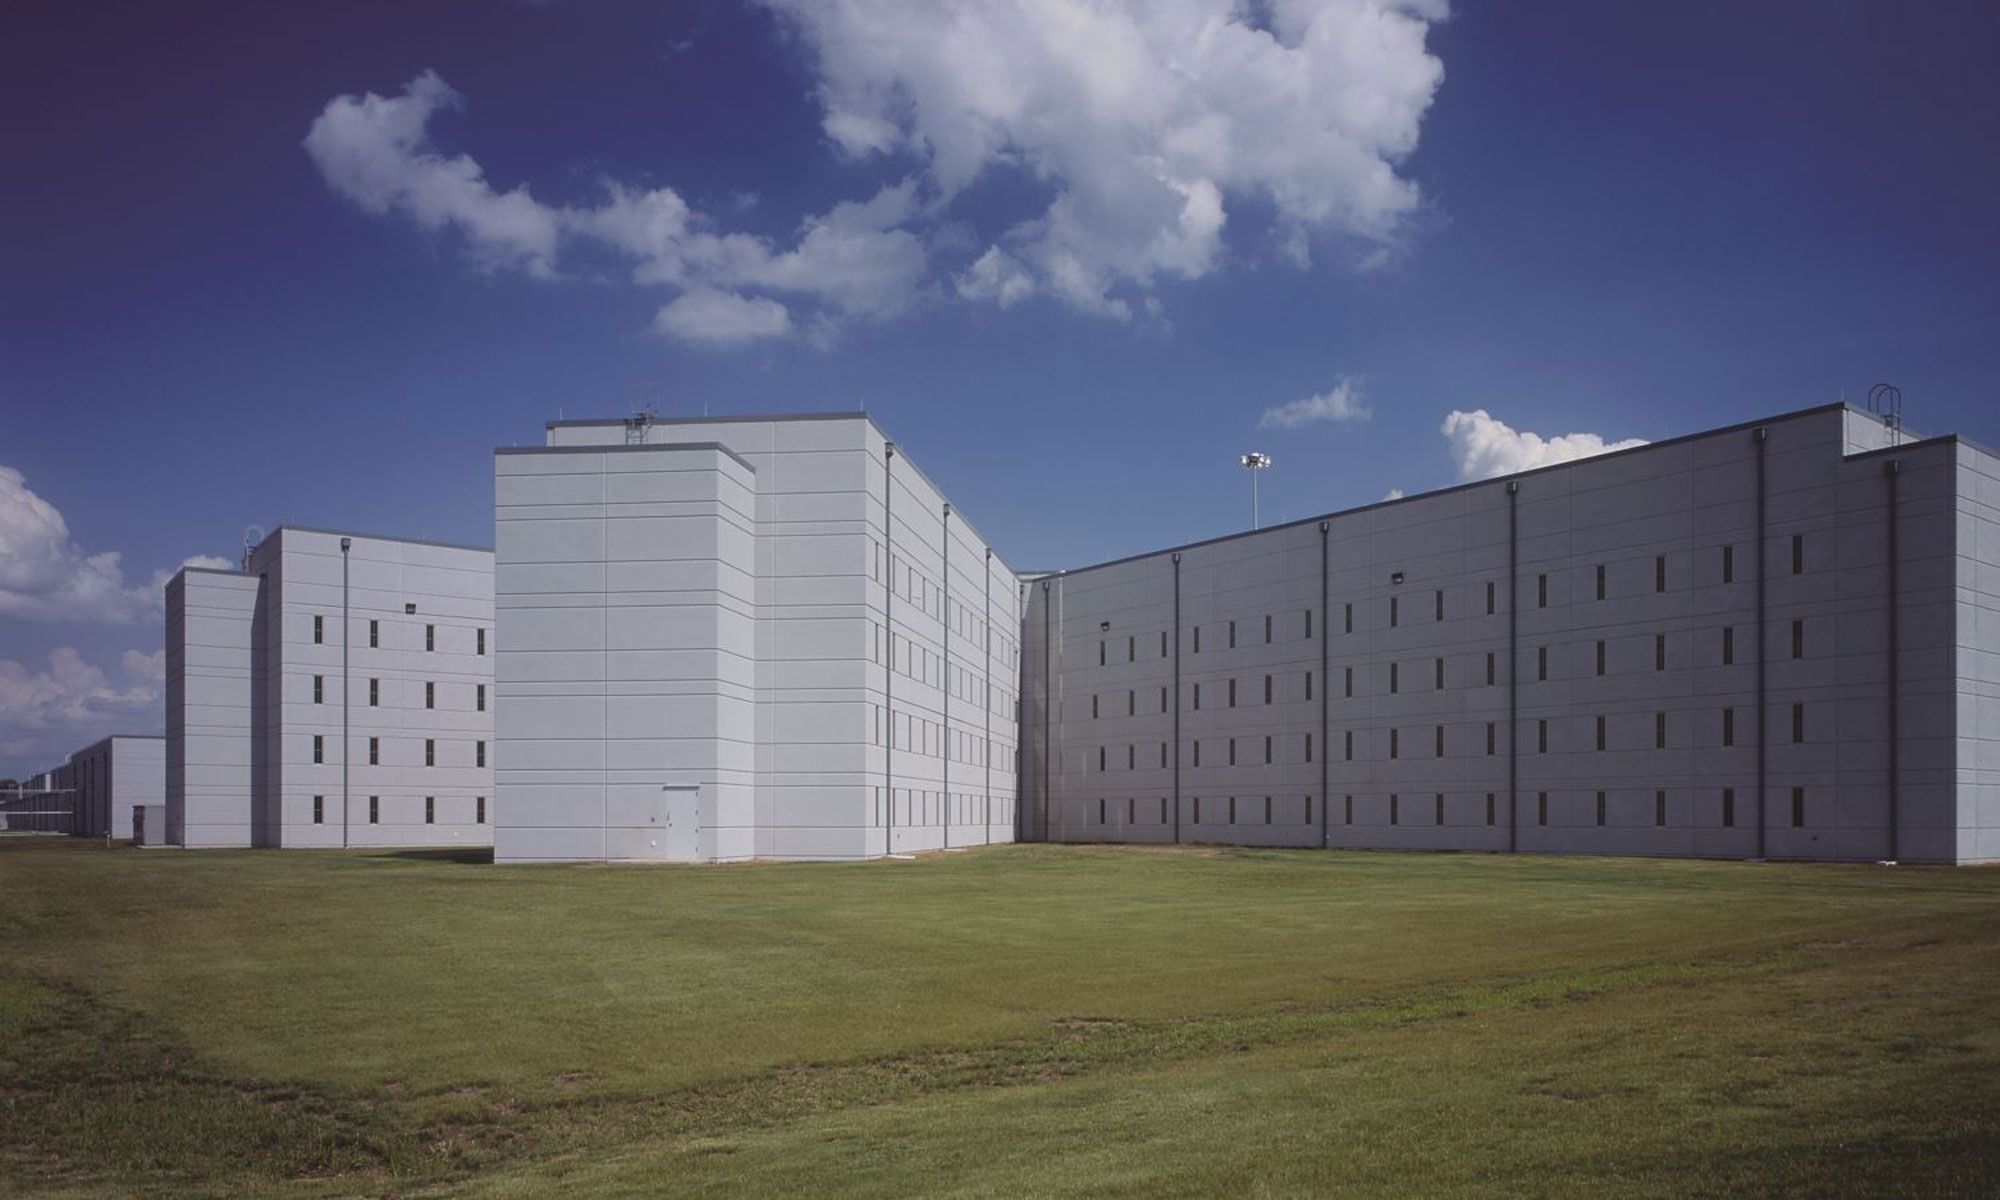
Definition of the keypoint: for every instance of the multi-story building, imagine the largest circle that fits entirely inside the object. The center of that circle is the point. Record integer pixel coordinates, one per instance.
(1776, 639)
(114, 776)
(336, 691)
(745, 637)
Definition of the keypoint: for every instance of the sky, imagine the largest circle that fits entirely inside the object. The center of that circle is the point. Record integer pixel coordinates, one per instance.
(273, 263)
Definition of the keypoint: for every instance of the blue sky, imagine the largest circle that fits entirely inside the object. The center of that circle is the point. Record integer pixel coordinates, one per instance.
(1070, 259)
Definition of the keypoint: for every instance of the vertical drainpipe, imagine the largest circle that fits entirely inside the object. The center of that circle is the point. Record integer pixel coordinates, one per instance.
(1761, 435)
(1893, 470)
(945, 620)
(1325, 685)
(986, 701)
(1513, 660)
(1048, 688)
(345, 637)
(889, 674)
(1177, 698)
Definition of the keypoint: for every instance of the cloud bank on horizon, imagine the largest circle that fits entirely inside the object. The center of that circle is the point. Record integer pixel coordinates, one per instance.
(1144, 125)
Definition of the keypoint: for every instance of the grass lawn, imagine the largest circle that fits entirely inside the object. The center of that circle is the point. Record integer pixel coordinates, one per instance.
(1015, 1021)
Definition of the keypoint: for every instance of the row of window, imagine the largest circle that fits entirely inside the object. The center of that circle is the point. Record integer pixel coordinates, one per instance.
(917, 735)
(375, 693)
(375, 810)
(375, 751)
(1728, 562)
(914, 587)
(375, 634)
(914, 806)
(1601, 728)
(911, 658)
(1268, 810)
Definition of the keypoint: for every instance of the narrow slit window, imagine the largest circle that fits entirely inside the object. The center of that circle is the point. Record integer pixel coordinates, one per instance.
(1392, 611)
(1440, 604)
(1437, 812)
(1542, 663)
(375, 693)
(1729, 564)
(430, 638)
(1798, 808)
(1489, 597)
(430, 694)
(319, 810)
(374, 810)
(1395, 677)
(1600, 733)
(1798, 723)
(1728, 807)
(319, 630)
(374, 752)
(1659, 652)
(1395, 743)
(1348, 616)
(430, 752)
(1541, 591)
(1489, 808)
(1728, 645)
(319, 689)
(319, 748)
(1267, 689)
(1659, 731)
(1541, 808)
(1350, 682)
(1798, 639)
(1267, 629)
(1394, 803)
(430, 810)
(1600, 656)
(1600, 581)
(1798, 554)
(1660, 573)
(1660, 807)
(1438, 750)
(1600, 808)
(1491, 738)
(374, 635)
(1542, 736)
(1729, 727)
(479, 810)
(1232, 635)
(1438, 673)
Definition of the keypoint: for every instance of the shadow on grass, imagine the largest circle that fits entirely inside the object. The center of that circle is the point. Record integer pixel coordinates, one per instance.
(450, 854)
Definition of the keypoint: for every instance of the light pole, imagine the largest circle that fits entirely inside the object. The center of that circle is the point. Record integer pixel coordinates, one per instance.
(346, 636)
(1254, 462)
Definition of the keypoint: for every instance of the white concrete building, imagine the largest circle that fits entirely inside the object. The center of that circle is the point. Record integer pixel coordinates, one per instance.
(744, 637)
(1776, 639)
(114, 776)
(338, 691)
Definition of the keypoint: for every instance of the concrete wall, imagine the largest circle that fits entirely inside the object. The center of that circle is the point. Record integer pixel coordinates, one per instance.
(210, 700)
(114, 776)
(833, 556)
(1426, 750)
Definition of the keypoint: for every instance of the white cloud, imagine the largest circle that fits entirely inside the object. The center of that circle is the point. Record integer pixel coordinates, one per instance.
(46, 576)
(718, 318)
(1344, 402)
(1486, 446)
(1145, 121)
(1145, 124)
(47, 714)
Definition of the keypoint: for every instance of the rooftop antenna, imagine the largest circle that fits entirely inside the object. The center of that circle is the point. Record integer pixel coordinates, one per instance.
(1885, 400)
(1255, 462)
(252, 535)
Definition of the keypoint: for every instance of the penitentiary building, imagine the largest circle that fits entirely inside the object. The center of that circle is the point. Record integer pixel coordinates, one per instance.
(1778, 639)
(112, 779)
(335, 691)
(744, 637)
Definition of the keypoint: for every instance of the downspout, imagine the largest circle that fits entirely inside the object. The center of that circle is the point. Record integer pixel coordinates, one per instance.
(986, 701)
(345, 637)
(889, 675)
(944, 606)
(1893, 470)
(1761, 435)
(1177, 699)
(1048, 687)
(1513, 662)
(1325, 686)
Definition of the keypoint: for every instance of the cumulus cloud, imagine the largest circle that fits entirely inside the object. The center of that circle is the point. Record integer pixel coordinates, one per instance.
(1144, 121)
(47, 713)
(716, 318)
(1144, 125)
(46, 576)
(1343, 403)
(1486, 446)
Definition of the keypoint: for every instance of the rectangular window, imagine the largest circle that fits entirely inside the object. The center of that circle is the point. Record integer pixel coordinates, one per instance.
(319, 748)
(1541, 591)
(1542, 663)
(374, 810)
(1542, 736)
(1197, 697)
(1490, 738)
(374, 752)
(1728, 645)
(1309, 747)
(319, 810)
(1798, 639)
(1395, 743)
(1798, 808)
(1659, 731)
(1232, 752)
(1439, 751)
(1392, 611)
(1163, 643)
(1348, 615)
(1728, 807)
(1347, 811)
(1395, 677)
(1163, 699)
(1232, 635)
(1093, 706)
(1660, 573)
(1132, 756)
(1350, 746)
(319, 689)
(1267, 748)
(1660, 807)
(1600, 808)
(1729, 727)
(1197, 762)
(1438, 672)
(1659, 652)
(1489, 597)
(1394, 803)
(479, 757)
(319, 630)
(1542, 808)
(1163, 754)
(1798, 554)
(479, 641)
(1600, 733)
(374, 693)
(1267, 689)
(430, 752)
(1232, 693)
(1437, 813)
(1350, 683)
(1600, 581)
(1197, 639)
(374, 635)
(1100, 661)
(1309, 685)
(479, 810)
(1440, 604)
(1100, 758)
(479, 697)
(1131, 703)
(430, 694)
(1600, 656)
(1798, 723)
(1309, 624)
(1267, 629)
(1489, 668)
(430, 810)
(430, 638)
(1729, 564)
(1489, 808)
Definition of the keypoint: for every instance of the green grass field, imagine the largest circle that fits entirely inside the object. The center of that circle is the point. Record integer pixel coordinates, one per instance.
(1019, 1021)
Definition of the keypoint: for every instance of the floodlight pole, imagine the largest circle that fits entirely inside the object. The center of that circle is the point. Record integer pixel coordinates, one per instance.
(1254, 462)
(346, 636)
